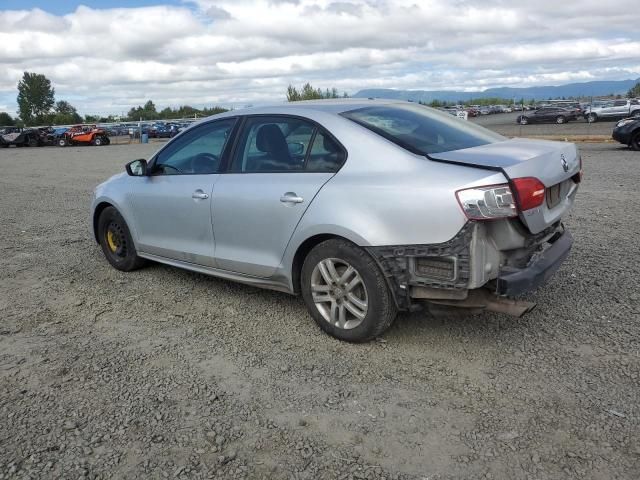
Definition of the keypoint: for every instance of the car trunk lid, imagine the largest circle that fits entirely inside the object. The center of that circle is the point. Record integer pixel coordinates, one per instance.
(555, 164)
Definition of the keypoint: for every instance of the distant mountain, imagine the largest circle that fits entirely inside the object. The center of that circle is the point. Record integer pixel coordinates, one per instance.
(586, 89)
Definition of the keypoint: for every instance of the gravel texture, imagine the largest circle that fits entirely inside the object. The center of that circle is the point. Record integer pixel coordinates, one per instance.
(163, 373)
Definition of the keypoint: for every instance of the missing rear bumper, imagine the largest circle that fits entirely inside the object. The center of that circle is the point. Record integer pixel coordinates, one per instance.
(512, 282)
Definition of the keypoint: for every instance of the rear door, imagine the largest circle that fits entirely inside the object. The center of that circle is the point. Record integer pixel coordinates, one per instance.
(279, 165)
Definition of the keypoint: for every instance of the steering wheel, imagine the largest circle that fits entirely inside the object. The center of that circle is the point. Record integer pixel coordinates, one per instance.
(204, 161)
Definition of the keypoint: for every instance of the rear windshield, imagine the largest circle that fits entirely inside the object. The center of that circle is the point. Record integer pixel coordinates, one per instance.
(422, 130)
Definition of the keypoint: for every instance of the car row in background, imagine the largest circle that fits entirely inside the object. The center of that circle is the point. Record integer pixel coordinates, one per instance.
(49, 136)
(26, 137)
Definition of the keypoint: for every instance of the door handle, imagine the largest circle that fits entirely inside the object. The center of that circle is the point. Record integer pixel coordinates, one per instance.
(199, 194)
(291, 197)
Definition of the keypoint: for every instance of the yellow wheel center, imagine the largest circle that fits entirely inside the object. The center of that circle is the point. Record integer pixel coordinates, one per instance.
(111, 241)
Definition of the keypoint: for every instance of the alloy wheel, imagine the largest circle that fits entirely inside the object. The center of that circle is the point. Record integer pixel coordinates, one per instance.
(339, 293)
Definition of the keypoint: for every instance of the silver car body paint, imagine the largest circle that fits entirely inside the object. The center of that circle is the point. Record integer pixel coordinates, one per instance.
(383, 195)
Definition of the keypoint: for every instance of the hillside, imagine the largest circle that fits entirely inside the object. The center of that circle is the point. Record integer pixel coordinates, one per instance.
(586, 89)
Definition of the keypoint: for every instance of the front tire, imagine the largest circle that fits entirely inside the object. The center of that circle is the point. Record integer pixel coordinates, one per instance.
(116, 242)
(524, 120)
(560, 120)
(32, 142)
(345, 292)
(592, 118)
(62, 142)
(635, 141)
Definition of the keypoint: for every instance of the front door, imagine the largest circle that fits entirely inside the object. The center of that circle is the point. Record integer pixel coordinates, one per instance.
(279, 165)
(172, 206)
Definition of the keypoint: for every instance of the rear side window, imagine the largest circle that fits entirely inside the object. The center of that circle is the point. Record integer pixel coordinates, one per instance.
(282, 144)
(326, 154)
(422, 130)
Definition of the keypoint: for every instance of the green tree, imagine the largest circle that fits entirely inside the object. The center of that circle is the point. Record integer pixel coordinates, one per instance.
(309, 93)
(634, 92)
(35, 98)
(65, 114)
(6, 120)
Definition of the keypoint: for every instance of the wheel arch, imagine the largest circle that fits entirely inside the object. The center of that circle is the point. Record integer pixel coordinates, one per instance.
(303, 250)
(96, 216)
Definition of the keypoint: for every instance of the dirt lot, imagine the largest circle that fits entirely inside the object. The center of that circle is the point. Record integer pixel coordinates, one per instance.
(163, 373)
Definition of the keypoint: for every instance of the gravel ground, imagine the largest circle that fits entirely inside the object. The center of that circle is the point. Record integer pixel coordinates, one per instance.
(163, 373)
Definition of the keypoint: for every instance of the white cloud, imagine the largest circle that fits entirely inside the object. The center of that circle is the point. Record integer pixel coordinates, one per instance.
(243, 51)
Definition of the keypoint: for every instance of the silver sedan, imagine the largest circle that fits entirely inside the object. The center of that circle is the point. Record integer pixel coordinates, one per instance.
(364, 207)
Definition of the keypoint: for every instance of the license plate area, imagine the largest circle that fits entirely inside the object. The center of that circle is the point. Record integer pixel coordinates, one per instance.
(557, 192)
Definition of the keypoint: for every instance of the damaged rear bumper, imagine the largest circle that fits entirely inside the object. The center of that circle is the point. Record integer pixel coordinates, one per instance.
(501, 259)
(512, 281)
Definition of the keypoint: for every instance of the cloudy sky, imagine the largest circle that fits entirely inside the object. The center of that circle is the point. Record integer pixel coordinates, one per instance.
(236, 52)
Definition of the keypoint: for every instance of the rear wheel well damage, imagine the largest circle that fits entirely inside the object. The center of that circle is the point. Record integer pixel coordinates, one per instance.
(443, 266)
(96, 216)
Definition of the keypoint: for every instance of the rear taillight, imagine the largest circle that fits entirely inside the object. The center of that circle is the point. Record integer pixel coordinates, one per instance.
(487, 203)
(529, 192)
(501, 201)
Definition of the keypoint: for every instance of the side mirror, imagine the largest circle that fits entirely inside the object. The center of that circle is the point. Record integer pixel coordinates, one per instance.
(137, 168)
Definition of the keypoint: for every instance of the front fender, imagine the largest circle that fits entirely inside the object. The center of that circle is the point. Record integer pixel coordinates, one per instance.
(112, 193)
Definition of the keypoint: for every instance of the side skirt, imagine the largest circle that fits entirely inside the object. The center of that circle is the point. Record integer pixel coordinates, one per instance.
(280, 286)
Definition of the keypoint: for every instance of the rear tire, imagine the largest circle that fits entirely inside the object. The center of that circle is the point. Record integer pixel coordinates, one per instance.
(354, 284)
(560, 120)
(592, 118)
(97, 141)
(524, 120)
(62, 142)
(636, 114)
(32, 142)
(635, 141)
(116, 242)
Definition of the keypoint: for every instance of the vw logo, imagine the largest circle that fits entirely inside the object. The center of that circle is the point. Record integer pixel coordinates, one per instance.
(563, 161)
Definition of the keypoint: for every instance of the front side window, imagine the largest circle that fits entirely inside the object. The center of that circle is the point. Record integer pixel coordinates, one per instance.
(421, 130)
(197, 152)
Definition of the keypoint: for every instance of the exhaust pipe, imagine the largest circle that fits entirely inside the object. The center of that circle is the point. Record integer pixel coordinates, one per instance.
(485, 300)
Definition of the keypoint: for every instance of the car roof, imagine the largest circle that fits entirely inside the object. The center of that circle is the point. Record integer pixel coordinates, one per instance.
(330, 105)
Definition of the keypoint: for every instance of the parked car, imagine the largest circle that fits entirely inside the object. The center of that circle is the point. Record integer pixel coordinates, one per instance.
(160, 130)
(547, 115)
(627, 132)
(20, 137)
(364, 207)
(84, 135)
(613, 110)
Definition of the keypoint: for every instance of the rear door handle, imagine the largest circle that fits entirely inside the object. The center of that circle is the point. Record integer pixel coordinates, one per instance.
(291, 197)
(199, 194)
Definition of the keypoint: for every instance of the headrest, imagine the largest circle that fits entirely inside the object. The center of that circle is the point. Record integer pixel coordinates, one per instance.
(270, 138)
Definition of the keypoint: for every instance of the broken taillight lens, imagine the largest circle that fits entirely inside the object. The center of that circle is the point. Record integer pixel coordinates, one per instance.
(529, 192)
(486, 203)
